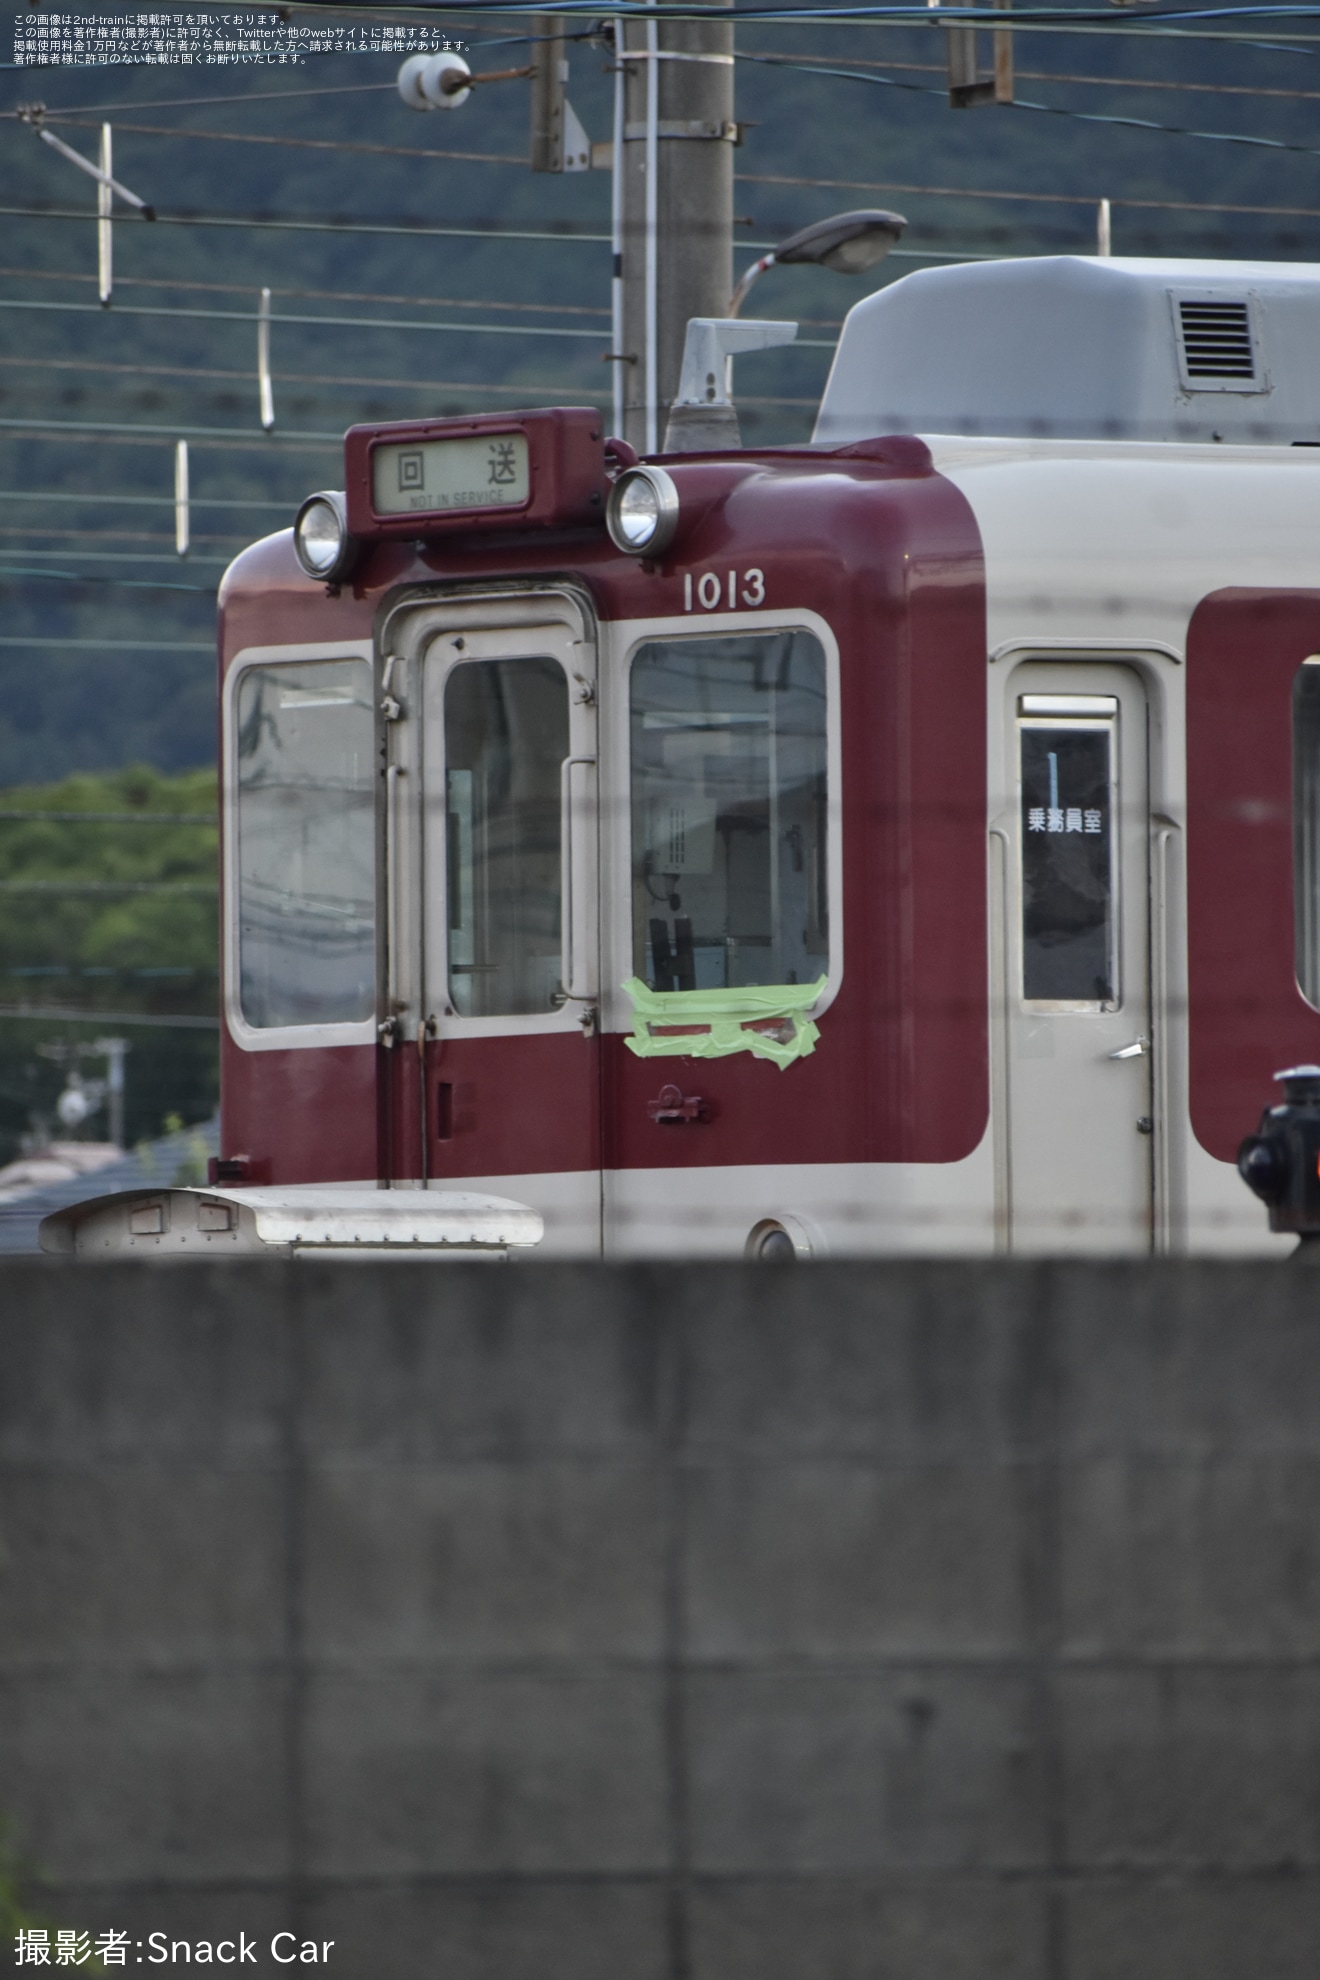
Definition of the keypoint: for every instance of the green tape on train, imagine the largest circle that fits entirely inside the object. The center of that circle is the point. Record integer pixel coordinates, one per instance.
(769, 1020)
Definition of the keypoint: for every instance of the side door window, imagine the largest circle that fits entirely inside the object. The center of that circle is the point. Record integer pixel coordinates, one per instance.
(1067, 768)
(506, 740)
(508, 840)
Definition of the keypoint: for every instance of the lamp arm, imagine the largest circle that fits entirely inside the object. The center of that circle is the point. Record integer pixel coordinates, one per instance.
(739, 296)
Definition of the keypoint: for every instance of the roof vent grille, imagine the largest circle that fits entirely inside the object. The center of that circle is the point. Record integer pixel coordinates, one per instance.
(1216, 345)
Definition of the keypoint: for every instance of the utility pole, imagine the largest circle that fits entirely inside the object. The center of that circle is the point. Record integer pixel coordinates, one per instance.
(672, 159)
(677, 202)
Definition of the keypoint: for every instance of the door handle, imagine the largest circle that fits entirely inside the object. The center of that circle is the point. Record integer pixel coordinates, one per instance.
(1138, 1049)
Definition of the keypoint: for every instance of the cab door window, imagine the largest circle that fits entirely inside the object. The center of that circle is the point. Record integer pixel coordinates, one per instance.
(729, 811)
(506, 726)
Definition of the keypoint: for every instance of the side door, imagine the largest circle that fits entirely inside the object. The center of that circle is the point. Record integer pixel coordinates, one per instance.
(1075, 999)
(494, 902)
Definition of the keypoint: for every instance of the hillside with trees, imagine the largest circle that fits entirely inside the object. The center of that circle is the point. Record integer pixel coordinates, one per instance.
(108, 906)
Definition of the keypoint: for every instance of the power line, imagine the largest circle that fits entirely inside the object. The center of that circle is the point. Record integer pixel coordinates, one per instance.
(292, 442)
(94, 578)
(107, 887)
(121, 556)
(1039, 198)
(69, 1014)
(301, 378)
(319, 295)
(1045, 109)
(293, 143)
(120, 536)
(114, 645)
(136, 501)
(249, 96)
(154, 972)
(331, 322)
(11, 816)
(1101, 82)
(411, 230)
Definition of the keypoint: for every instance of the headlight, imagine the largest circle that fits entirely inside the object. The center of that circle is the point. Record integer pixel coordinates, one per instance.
(321, 540)
(642, 513)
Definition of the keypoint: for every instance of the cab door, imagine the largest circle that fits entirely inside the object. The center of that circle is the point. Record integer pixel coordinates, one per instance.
(1076, 1030)
(493, 890)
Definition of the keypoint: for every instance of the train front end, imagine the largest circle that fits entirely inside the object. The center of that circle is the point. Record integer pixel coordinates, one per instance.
(609, 836)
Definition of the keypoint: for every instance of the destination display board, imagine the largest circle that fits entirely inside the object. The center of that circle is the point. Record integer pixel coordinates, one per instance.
(434, 477)
(424, 479)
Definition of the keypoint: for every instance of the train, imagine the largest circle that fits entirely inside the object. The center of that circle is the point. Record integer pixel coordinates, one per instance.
(903, 842)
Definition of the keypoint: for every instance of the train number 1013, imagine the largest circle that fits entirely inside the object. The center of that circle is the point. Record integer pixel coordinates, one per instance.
(711, 591)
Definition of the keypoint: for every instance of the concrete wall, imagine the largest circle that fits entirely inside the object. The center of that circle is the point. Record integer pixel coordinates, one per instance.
(558, 1623)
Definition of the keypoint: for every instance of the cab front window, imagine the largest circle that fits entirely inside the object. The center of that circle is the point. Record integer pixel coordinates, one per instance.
(729, 811)
(306, 844)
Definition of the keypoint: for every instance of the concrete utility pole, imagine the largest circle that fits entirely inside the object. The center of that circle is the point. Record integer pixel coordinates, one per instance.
(559, 143)
(677, 203)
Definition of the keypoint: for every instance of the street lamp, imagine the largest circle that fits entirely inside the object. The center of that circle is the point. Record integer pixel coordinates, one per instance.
(850, 243)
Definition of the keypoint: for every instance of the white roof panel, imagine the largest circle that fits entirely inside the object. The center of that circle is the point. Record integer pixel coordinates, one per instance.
(1076, 347)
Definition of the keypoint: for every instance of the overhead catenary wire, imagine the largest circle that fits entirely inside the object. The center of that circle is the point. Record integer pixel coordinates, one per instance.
(12, 814)
(161, 971)
(125, 556)
(1021, 103)
(199, 102)
(409, 230)
(65, 497)
(121, 536)
(1174, 84)
(97, 579)
(220, 439)
(199, 887)
(139, 434)
(111, 645)
(1034, 196)
(70, 1014)
(184, 284)
(197, 372)
(229, 373)
(74, 121)
(176, 312)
